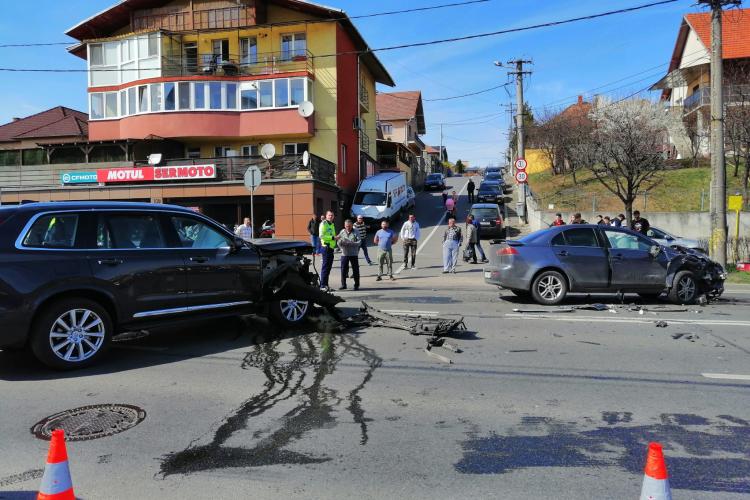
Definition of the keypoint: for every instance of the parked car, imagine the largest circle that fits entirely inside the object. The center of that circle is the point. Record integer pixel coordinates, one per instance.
(73, 275)
(548, 264)
(492, 170)
(434, 181)
(490, 192)
(664, 238)
(411, 199)
(490, 219)
(380, 197)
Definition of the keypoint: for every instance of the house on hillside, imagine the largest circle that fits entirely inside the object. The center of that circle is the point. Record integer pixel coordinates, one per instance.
(686, 87)
(401, 122)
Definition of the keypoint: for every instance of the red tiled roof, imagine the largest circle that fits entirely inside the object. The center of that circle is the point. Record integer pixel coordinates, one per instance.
(55, 122)
(735, 28)
(401, 106)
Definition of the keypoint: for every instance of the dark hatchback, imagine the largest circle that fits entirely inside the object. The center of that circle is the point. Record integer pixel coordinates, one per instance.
(73, 275)
(548, 264)
(434, 181)
(490, 219)
(490, 192)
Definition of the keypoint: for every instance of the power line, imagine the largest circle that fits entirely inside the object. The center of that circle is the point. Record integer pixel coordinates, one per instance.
(451, 97)
(361, 16)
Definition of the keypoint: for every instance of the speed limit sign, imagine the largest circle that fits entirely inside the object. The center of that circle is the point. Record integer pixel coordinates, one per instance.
(521, 164)
(521, 177)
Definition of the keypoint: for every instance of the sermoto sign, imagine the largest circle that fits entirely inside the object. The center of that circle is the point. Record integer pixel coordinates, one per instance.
(147, 174)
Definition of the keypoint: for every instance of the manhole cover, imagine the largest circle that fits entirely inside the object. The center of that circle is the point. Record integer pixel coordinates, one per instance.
(90, 422)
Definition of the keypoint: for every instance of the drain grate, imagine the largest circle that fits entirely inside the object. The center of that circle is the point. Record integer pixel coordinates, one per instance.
(90, 422)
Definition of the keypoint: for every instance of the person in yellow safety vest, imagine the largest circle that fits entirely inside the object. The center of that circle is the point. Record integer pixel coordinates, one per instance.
(328, 242)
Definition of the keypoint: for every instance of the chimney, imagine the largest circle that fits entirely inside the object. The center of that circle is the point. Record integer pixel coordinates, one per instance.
(580, 100)
(15, 119)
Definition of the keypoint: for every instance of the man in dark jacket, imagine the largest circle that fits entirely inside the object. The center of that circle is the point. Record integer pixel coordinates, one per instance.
(640, 224)
(313, 227)
(470, 187)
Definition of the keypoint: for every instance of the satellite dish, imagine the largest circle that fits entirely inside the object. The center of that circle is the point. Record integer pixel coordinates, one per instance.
(306, 109)
(268, 151)
(154, 159)
(305, 158)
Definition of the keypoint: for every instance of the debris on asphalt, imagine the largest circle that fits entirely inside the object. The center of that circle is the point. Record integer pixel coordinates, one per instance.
(588, 342)
(544, 311)
(661, 324)
(522, 350)
(702, 300)
(128, 336)
(416, 325)
(593, 307)
(428, 351)
(668, 309)
(686, 336)
(440, 342)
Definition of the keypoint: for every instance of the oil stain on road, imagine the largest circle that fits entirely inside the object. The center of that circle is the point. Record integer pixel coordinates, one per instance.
(702, 454)
(297, 382)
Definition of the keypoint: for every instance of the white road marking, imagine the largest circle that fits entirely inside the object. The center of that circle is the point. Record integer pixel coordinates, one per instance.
(434, 229)
(598, 319)
(726, 376)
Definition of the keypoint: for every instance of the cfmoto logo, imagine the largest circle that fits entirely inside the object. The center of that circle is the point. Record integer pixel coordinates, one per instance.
(66, 178)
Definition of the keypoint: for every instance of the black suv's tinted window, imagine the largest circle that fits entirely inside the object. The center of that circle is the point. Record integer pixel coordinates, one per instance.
(53, 231)
(129, 231)
(583, 237)
(194, 233)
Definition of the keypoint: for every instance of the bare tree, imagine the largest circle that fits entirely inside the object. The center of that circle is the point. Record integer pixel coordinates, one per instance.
(737, 119)
(697, 133)
(561, 136)
(628, 139)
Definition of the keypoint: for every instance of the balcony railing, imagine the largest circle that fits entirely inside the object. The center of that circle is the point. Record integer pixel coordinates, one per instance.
(364, 142)
(266, 63)
(229, 17)
(733, 94)
(364, 97)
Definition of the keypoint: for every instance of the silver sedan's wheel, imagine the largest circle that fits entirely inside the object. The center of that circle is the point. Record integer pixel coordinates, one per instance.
(549, 288)
(293, 311)
(76, 335)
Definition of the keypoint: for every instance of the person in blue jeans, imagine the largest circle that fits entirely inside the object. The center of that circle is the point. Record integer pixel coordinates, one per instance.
(384, 239)
(361, 228)
(313, 228)
(478, 245)
(452, 239)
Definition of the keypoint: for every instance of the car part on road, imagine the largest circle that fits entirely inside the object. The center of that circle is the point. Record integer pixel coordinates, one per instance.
(90, 422)
(433, 325)
(661, 324)
(428, 351)
(544, 311)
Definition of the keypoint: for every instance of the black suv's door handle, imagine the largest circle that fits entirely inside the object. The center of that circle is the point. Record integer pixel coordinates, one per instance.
(199, 260)
(109, 262)
(562, 253)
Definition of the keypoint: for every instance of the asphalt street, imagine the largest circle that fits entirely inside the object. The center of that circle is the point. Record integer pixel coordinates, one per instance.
(540, 404)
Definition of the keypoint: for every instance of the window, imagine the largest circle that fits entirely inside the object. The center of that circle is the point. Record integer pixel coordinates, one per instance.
(200, 95)
(249, 95)
(626, 241)
(294, 45)
(365, 198)
(97, 106)
(194, 153)
(558, 241)
(214, 92)
(52, 231)
(297, 86)
(143, 99)
(132, 102)
(96, 54)
(110, 105)
(197, 234)
(155, 97)
(221, 49)
(266, 94)
(129, 231)
(282, 93)
(248, 51)
(231, 95)
(127, 50)
(221, 151)
(343, 158)
(123, 102)
(184, 95)
(153, 44)
(387, 128)
(581, 238)
(293, 148)
(252, 150)
(169, 96)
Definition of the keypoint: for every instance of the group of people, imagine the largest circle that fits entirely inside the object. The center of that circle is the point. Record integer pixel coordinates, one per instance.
(639, 224)
(450, 202)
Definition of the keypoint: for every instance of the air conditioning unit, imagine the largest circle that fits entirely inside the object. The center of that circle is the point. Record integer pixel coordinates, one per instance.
(357, 123)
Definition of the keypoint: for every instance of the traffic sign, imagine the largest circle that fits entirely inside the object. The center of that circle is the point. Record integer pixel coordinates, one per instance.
(253, 178)
(521, 177)
(521, 164)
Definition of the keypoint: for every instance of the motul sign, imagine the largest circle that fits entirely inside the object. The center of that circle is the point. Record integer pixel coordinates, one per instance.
(146, 174)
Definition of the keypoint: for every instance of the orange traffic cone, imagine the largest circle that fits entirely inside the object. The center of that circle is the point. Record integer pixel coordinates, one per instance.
(56, 482)
(655, 479)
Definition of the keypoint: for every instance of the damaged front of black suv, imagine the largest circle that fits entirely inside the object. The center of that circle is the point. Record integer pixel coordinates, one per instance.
(708, 274)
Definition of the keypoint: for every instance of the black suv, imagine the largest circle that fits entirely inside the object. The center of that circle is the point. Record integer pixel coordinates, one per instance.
(72, 275)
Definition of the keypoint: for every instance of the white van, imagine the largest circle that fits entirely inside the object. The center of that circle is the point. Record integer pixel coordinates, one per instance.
(381, 197)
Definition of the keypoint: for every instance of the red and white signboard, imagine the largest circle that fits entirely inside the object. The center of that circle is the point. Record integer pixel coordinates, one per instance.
(520, 164)
(148, 174)
(521, 177)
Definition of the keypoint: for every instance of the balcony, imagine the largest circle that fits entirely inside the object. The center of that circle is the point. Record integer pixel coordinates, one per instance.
(364, 98)
(364, 142)
(229, 17)
(733, 94)
(266, 63)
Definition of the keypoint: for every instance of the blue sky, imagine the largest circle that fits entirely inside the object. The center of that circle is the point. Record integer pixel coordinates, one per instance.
(568, 60)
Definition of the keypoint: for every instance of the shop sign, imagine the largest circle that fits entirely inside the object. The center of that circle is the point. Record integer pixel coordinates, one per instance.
(78, 178)
(149, 174)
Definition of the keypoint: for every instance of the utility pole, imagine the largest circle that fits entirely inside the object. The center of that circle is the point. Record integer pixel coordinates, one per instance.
(718, 201)
(520, 149)
(440, 153)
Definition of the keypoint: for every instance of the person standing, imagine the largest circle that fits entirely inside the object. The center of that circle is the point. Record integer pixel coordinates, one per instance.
(600, 220)
(313, 228)
(361, 229)
(472, 238)
(577, 219)
(245, 230)
(452, 239)
(470, 187)
(450, 206)
(558, 220)
(617, 221)
(384, 239)
(348, 241)
(445, 196)
(328, 241)
(478, 246)
(410, 235)
(640, 224)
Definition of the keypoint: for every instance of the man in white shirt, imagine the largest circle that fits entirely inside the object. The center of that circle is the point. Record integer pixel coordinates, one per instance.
(410, 236)
(245, 230)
